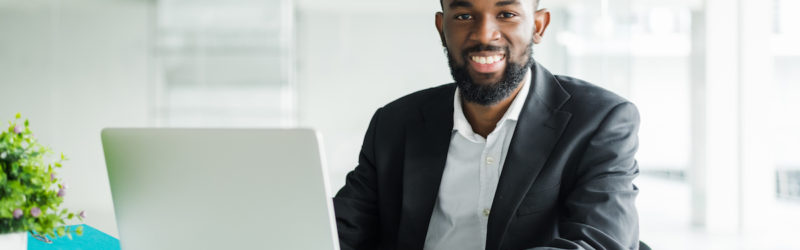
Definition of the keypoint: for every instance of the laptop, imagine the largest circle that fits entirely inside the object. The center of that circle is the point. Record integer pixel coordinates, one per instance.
(219, 189)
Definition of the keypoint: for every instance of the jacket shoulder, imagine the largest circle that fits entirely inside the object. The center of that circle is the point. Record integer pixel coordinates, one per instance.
(420, 98)
(587, 95)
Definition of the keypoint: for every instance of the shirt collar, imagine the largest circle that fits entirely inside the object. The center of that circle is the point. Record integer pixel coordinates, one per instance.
(461, 124)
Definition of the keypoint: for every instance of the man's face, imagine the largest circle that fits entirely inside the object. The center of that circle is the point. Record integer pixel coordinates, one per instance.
(489, 43)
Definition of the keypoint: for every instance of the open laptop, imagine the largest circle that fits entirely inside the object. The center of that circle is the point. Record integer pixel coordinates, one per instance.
(219, 189)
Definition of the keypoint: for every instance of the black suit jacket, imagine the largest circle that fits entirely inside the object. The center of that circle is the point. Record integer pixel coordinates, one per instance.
(566, 182)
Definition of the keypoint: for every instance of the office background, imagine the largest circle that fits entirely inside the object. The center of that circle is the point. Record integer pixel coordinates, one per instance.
(717, 83)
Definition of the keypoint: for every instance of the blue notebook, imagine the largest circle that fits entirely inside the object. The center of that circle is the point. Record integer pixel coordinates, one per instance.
(90, 240)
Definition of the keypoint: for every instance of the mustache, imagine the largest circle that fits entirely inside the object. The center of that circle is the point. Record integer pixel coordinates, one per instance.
(483, 47)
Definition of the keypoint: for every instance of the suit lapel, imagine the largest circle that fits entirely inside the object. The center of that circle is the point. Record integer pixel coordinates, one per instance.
(427, 143)
(538, 129)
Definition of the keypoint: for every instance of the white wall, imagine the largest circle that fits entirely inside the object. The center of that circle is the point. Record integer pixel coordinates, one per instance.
(351, 62)
(74, 67)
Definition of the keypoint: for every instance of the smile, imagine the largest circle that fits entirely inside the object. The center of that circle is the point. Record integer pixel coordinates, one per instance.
(486, 59)
(487, 63)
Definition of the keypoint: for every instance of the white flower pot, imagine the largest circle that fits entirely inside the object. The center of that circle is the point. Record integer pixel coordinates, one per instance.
(14, 241)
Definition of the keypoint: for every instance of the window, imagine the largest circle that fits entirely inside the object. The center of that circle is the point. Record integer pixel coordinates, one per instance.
(224, 63)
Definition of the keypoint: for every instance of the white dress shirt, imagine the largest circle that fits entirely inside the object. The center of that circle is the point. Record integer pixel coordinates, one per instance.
(470, 179)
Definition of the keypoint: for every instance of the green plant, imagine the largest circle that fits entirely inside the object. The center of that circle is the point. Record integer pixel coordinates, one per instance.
(30, 191)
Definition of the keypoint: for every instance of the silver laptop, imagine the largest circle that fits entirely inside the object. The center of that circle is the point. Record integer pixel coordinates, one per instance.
(219, 189)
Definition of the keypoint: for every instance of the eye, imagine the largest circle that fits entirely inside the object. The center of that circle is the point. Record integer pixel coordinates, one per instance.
(507, 15)
(464, 17)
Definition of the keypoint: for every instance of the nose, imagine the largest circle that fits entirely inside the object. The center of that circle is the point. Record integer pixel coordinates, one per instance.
(485, 30)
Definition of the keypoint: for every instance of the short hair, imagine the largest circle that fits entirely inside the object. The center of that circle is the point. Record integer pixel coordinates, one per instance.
(535, 4)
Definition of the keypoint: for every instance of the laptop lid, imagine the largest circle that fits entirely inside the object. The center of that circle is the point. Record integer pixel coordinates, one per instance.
(219, 189)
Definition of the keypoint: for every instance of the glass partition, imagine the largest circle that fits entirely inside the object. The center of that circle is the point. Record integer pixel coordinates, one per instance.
(224, 63)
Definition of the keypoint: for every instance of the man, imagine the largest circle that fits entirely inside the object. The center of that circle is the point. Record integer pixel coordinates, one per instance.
(508, 157)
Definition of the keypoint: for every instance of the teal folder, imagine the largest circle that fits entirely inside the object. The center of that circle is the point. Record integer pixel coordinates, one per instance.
(90, 240)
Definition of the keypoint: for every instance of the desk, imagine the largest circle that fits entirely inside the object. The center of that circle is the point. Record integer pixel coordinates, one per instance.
(90, 240)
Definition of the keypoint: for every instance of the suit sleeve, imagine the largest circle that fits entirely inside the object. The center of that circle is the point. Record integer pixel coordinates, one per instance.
(600, 212)
(355, 205)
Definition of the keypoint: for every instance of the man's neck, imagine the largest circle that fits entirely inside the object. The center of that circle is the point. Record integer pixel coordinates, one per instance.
(483, 119)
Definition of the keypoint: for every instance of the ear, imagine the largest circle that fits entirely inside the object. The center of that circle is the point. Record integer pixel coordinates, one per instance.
(541, 19)
(439, 20)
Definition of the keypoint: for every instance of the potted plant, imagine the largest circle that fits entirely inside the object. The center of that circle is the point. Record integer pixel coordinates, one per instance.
(31, 192)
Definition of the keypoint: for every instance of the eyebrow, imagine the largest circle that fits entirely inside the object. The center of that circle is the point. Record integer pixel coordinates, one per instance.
(458, 3)
(508, 2)
(465, 4)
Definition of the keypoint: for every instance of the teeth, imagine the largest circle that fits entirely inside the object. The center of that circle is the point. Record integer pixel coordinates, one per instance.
(486, 59)
(497, 58)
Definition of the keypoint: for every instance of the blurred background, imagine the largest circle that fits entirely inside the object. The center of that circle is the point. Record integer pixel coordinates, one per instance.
(717, 83)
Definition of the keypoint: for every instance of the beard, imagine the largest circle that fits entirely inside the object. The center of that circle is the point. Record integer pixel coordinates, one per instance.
(491, 93)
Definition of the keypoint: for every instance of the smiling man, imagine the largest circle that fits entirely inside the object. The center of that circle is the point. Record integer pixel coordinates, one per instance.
(507, 157)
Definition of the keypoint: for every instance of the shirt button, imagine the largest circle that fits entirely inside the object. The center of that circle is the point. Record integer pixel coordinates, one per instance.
(486, 212)
(489, 160)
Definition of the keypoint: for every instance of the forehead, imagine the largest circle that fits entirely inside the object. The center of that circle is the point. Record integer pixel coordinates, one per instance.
(449, 4)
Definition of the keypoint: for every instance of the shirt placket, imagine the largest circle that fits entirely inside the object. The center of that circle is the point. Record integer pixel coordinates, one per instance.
(481, 209)
(492, 168)
(488, 168)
